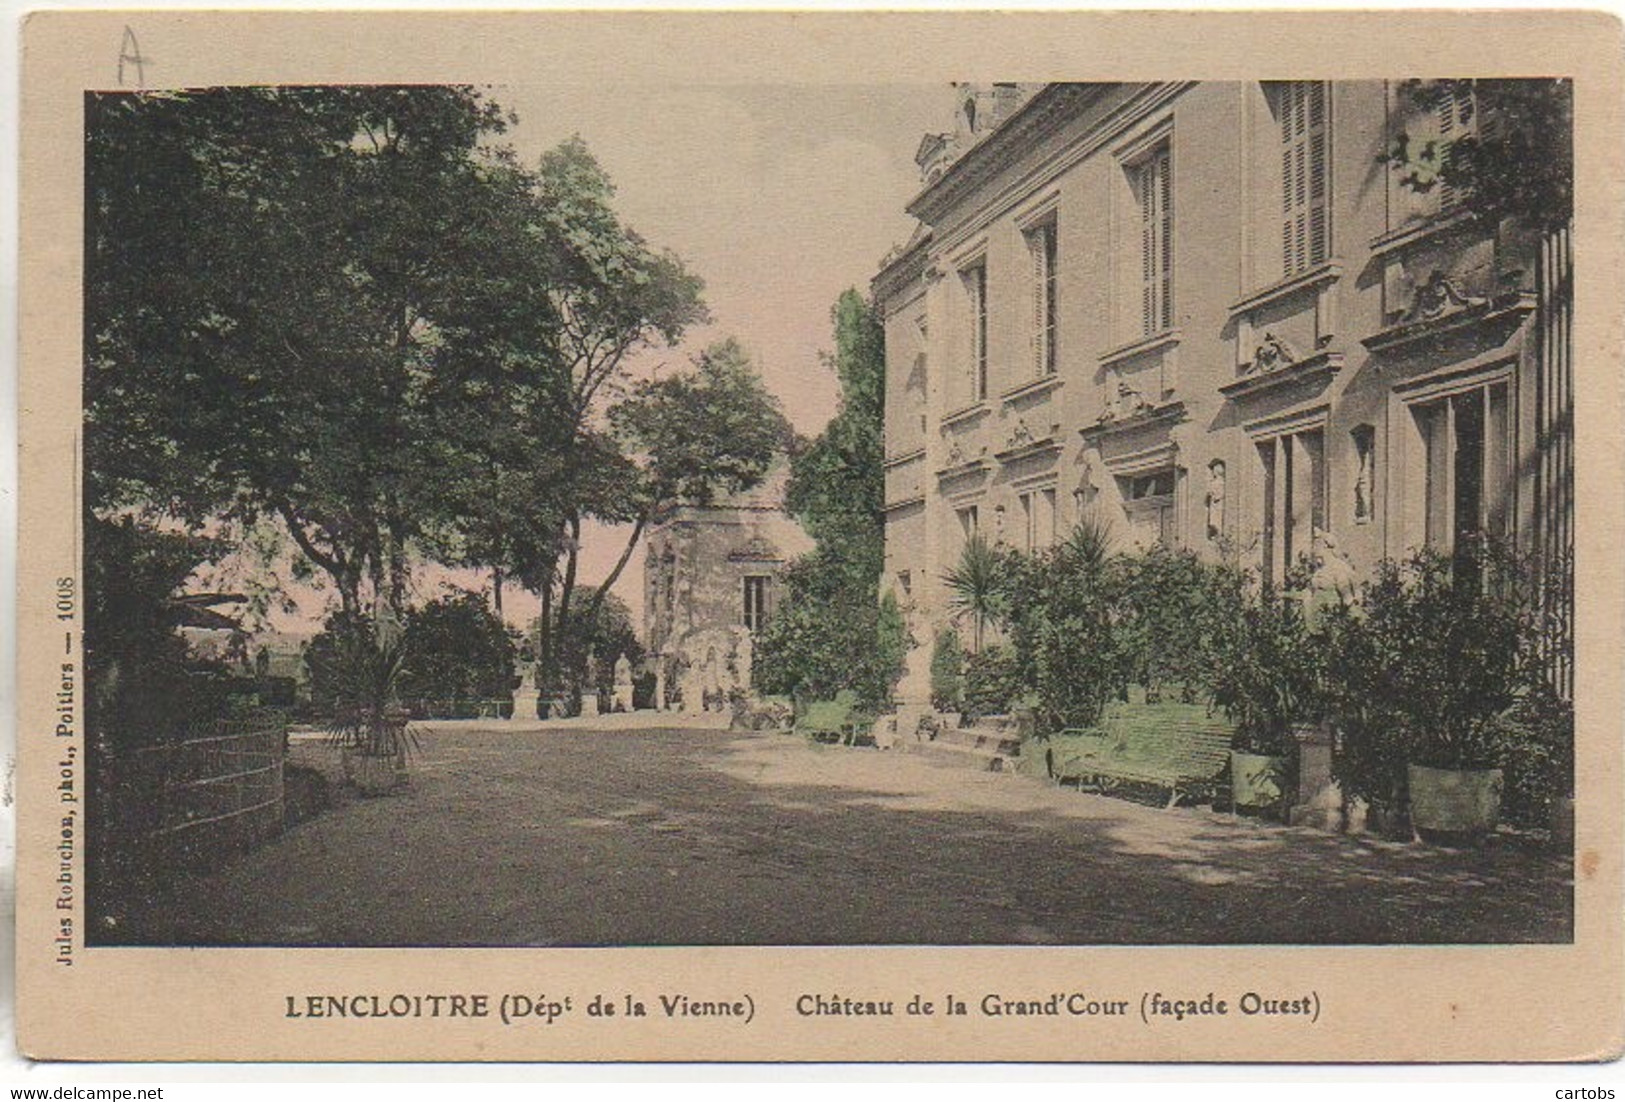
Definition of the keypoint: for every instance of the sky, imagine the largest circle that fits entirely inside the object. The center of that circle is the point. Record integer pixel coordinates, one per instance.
(780, 197)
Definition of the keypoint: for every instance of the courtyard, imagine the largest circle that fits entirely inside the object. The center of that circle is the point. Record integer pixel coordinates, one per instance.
(654, 830)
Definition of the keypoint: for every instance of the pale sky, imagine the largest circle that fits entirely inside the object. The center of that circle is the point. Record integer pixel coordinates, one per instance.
(779, 197)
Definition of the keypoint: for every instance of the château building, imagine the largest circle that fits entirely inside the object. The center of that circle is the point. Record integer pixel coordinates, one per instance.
(1214, 315)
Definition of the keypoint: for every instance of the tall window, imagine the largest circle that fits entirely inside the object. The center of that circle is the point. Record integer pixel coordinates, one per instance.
(1457, 117)
(1038, 519)
(1467, 440)
(1041, 244)
(968, 522)
(975, 279)
(1148, 502)
(758, 590)
(1154, 192)
(1294, 498)
(1305, 220)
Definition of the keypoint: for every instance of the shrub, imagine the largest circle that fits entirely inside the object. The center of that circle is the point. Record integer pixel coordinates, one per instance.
(992, 682)
(1434, 664)
(947, 672)
(1272, 673)
(1061, 615)
(829, 634)
(459, 650)
(1176, 619)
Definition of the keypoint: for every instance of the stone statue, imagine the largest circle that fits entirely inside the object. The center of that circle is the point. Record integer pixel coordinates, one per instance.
(1365, 484)
(622, 701)
(525, 697)
(1215, 499)
(1334, 574)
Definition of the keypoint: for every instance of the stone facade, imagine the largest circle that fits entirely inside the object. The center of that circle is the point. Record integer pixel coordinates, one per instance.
(1207, 312)
(711, 577)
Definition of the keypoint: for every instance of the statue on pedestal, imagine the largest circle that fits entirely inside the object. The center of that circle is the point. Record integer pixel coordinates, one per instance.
(622, 700)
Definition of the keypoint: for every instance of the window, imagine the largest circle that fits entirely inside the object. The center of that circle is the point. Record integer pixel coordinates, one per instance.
(1466, 439)
(967, 522)
(758, 591)
(1038, 519)
(1041, 244)
(1305, 218)
(975, 280)
(1294, 467)
(1456, 115)
(1154, 193)
(1148, 502)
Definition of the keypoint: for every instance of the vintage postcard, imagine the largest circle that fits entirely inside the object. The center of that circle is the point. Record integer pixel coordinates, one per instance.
(820, 537)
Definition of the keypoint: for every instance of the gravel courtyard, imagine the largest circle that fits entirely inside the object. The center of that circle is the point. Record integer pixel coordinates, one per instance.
(562, 835)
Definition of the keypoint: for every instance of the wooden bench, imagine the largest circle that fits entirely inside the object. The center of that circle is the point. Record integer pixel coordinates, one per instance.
(833, 721)
(1180, 748)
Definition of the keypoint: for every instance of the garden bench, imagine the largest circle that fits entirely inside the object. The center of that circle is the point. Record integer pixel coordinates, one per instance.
(833, 721)
(1178, 747)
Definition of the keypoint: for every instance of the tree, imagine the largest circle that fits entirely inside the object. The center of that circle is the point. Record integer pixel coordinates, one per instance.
(588, 645)
(288, 291)
(1518, 161)
(683, 437)
(831, 632)
(457, 649)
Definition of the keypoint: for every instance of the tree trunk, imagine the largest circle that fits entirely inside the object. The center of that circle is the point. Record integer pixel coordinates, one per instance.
(496, 590)
(620, 565)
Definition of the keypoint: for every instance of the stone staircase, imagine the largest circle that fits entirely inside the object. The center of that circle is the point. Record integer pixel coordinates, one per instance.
(991, 745)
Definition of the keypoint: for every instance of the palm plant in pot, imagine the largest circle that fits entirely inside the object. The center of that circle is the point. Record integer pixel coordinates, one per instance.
(1426, 667)
(1269, 682)
(362, 674)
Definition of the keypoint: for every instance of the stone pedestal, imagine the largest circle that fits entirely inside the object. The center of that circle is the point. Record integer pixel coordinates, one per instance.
(589, 705)
(1319, 800)
(660, 684)
(524, 706)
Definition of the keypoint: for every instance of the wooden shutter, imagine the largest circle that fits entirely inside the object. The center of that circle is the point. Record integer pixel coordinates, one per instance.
(1041, 243)
(1305, 222)
(1039, 249)
(1156, 242)
(1455, 113)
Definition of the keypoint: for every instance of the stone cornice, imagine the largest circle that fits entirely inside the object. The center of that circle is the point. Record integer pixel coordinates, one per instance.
(1168, 413)
(1032, 121)
(1483, 317)
(1320, 367)
(1329, 272)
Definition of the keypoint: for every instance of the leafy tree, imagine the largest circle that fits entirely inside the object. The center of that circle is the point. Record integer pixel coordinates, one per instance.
(1518, 162)
(613, 295)
(143, 685)
(457, 649)
(817, 641)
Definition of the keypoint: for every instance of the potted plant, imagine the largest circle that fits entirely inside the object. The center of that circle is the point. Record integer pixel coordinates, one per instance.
(367, 722)
(1427, 668)
(1268, 683)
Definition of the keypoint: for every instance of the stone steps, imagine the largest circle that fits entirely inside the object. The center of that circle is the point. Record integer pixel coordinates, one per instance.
(984, 748)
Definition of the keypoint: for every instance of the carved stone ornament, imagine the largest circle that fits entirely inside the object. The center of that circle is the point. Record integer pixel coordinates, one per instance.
(1124, 404)
(1272, 354)
(956, 454)
(1437, 297)
(1021, 435)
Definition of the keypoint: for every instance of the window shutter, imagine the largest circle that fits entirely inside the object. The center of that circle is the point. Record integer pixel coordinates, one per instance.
(1038, 244)
(1148, 248)
(1305, 220)
(1455, 114)
(1165, 169)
